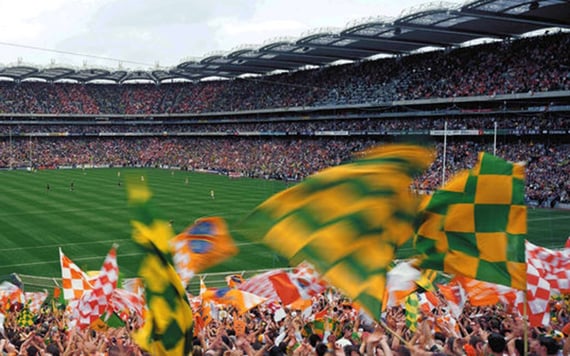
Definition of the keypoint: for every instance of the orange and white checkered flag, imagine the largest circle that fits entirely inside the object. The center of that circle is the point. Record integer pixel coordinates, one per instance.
(74, 281)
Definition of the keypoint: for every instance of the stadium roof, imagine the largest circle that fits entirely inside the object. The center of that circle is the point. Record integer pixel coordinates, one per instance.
(434, 25)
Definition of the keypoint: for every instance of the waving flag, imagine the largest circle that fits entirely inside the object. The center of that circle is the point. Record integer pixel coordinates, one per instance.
(537, 297)
(127, 304)
(484, 293)
(554, 263)
(308, 279)
(261, 285)
(242, 301)
(475, 225)
(234, 280)
(204, 244)
(74, 281)
(205, 309)
(347, 220)
(93, 303)
(10, 294)
(455, 297)
(404, 279)
(25, 318)
(168, 321)
(547, 275)
(400, 283)
(286, 289)
(412, 311)
(35, 300)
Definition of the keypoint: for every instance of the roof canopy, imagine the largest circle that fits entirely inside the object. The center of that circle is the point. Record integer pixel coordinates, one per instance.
(434, 25)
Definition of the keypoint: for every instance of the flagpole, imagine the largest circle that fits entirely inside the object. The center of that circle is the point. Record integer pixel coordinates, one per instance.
(525, 320)
(444, 152)
(495, 139)
(30, 151)
(11, 150)
(395, 334)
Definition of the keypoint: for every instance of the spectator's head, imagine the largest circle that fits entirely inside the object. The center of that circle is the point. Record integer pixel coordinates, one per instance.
(439, 338)
(32, 351)
(403, 351)
(275, 351)
(548, 345)
(519, 347)
(476, 341)
(52, 349)
(351, 350)
(321, 349)
(497, 343)
(314, 339)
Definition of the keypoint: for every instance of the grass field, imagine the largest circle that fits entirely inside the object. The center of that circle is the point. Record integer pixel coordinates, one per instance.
(85, 222)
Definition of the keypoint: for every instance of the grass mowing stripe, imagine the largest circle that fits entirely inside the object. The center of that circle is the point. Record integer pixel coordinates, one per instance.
(88, 220)
(83, 220)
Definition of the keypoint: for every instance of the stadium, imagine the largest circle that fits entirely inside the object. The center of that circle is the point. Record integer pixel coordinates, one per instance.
(487, 76)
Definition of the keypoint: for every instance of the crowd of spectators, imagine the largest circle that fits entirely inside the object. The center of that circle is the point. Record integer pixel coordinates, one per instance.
(341, 329)
(528, 65)
(305, 127)
(288, 158)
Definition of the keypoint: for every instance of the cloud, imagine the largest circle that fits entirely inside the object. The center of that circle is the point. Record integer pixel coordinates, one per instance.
(165, 44)
(154, 30)
(157, 13)
(167, 31)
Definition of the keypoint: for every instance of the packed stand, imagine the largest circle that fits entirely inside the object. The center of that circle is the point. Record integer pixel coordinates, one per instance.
(548, 164)
(528, 65)
(520, 124)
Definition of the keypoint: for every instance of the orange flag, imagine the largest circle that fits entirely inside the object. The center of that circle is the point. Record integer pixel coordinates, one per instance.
(202, 245)
(481, 293)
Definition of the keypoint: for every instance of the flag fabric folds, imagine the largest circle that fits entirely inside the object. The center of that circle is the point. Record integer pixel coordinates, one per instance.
(554, 263)
(261, 285)
(242, 301)
(35, 300)
(25, 318)
(286, 289)
(403, 280)
(481, 293)
(412, 311)
(93, 303)
(454, 296)
(346, 220)
(202, 245)
(475, 225)
(234, 280)
(537, 297)
(74, 281)
(308, 279)
(425, 282)
(167, 329)
(548, 274)
(400, 282)
(127, 304)
(10, 294)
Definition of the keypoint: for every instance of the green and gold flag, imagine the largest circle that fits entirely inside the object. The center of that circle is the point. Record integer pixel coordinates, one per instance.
(25, 318)
(475, 226)
(412, 311)
(168, 321)
(425, 282)
(347, 220)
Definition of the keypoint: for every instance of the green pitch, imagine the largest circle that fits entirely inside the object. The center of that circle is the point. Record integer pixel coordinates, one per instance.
(86, 219)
